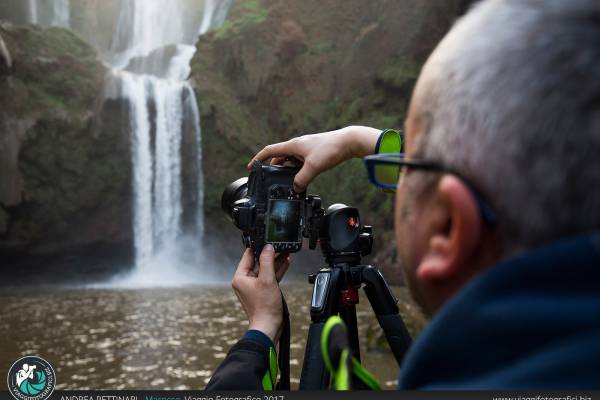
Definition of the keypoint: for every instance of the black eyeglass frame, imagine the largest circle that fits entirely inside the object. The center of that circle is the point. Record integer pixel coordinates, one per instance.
(485, 209)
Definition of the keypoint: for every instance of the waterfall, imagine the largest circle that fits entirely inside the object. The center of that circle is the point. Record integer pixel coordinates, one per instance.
(50, 12)
(152, 46)
(61, 13)
(215, 12)
(134, 89)
(193, 107)
(33, 11)
(156, 169)
(145, 26)
(151, 57)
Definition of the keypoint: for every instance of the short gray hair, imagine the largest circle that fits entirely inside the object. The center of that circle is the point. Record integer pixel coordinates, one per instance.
(514, 104)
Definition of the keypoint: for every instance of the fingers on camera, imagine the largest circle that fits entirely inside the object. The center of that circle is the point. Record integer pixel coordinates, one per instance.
(277, 150)
(271, 268)
(277, 160)
(302, 179)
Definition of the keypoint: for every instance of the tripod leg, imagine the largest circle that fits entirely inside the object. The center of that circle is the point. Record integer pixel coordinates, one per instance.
(384, 305)
(314, 373)
(396, 335)
(323, 305)
(348, 315)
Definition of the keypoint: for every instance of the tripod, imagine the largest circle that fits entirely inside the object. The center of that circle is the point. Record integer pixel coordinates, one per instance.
(335, 291)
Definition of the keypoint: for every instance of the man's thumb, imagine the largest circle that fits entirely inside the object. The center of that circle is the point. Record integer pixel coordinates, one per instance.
(266, 261)
(246, 263)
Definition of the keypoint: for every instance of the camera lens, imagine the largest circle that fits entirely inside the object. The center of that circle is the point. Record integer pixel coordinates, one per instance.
(232, 193)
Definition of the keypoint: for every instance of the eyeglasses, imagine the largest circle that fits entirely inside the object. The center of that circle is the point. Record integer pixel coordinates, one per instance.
(385, 170)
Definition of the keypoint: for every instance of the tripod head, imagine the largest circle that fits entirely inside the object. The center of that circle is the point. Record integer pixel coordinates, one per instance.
(342, 237)
(344, 240)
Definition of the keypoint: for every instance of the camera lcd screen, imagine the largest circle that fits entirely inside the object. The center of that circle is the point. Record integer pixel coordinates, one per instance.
(283, 222)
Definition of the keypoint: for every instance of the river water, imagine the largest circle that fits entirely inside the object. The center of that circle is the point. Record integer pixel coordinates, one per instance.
(161, 338)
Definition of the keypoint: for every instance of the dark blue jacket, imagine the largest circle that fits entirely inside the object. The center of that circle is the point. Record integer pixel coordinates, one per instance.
(532, 321)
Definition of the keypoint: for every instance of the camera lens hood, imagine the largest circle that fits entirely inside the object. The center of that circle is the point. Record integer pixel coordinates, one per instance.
(232, 193)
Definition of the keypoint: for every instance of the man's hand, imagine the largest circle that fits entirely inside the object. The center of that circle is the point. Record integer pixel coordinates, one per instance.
(322, 151)
(258, 291)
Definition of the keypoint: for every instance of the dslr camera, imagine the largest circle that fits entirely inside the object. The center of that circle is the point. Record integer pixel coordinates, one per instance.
(268, 210)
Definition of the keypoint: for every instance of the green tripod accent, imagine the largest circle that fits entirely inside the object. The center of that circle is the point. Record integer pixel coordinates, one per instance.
(338, 359)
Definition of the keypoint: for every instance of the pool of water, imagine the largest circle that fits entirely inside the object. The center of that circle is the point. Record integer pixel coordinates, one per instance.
(162, 338)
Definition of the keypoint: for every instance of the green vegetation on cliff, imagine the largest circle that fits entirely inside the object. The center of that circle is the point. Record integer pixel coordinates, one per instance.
(64, 177)
(55, 71)
(251, 12)
(277, 70)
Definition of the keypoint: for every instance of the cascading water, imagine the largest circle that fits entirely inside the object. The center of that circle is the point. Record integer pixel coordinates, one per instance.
(151, 62)
(152, 46)
(215, 12)
(50, 12)
(61, 13)
(33, 11)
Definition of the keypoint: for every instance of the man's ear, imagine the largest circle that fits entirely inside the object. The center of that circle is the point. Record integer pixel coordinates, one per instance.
(454, 236)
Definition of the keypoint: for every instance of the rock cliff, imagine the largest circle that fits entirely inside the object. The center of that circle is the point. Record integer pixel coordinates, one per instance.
(64, 176)
(280, 69)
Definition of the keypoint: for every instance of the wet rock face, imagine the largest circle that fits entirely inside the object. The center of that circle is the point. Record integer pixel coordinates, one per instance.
(280, 69)
(156, 63)
(64, 175)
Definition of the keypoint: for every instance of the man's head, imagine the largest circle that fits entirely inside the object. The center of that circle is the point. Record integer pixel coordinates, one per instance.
(511, 99)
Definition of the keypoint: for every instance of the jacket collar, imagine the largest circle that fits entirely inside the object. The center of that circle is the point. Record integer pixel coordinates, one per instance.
(530, 321)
